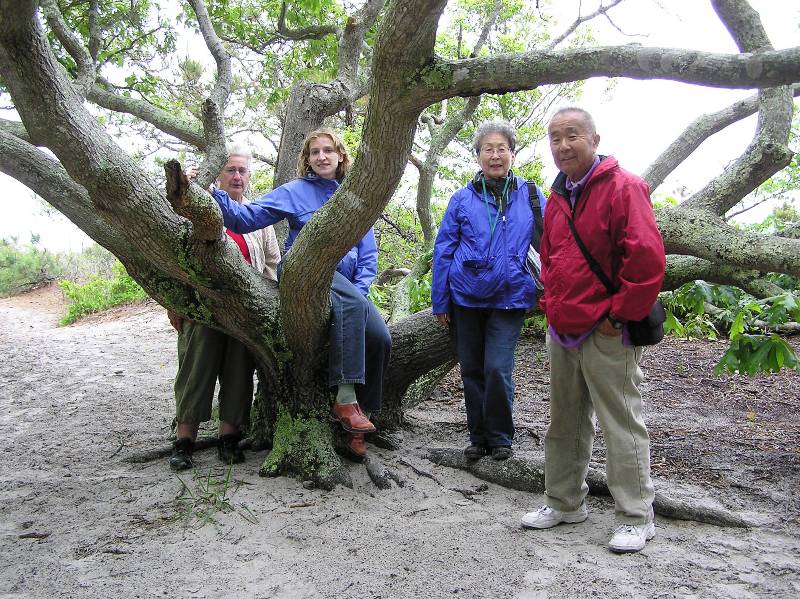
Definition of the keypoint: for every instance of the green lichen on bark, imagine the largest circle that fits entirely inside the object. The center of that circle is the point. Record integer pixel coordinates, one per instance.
(176, 295)
(303, 446)
(435, 75)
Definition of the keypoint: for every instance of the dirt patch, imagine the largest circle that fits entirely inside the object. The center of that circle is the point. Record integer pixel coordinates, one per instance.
(77, 520)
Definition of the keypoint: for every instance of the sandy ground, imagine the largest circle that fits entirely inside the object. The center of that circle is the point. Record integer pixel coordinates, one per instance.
(77, 520)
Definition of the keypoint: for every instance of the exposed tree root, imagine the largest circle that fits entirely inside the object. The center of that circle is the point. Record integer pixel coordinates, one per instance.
(380, 474)
(526, 473)
(386, 439)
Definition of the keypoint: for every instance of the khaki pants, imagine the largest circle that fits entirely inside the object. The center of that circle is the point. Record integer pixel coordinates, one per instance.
(600, 377)
(205, 354)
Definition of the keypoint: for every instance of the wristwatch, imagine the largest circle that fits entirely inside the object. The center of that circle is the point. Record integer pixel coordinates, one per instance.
(617, 324)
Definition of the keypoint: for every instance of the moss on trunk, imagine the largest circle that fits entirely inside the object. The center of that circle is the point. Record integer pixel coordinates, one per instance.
(303, 446)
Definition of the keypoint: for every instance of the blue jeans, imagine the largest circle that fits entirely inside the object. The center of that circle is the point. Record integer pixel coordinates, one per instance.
(485, 341)
(360, 343)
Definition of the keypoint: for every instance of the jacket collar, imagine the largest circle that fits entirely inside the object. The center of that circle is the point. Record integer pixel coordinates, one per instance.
(477, 186)
(559, 186)
(324, 183)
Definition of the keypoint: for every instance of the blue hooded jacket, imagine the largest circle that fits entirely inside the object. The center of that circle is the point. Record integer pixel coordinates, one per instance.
(296, 201)
(475, 268)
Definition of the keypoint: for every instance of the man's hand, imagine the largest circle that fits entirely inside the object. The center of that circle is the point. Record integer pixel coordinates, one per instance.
(606, 328)
(444, 319)
(175, 320)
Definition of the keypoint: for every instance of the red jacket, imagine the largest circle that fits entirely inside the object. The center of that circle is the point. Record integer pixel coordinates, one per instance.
(614, 218)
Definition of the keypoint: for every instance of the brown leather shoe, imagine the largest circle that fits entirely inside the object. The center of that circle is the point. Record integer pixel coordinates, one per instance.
(357, 445)
(352, 418)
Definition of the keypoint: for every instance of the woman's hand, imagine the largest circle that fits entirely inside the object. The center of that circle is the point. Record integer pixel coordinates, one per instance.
(444, 319)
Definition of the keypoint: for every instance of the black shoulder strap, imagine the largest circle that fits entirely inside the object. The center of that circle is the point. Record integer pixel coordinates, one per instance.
(593, 265)
(538, 220)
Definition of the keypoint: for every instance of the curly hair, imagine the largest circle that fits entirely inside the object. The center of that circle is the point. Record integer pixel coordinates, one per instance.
(496, 126)
(303, 166)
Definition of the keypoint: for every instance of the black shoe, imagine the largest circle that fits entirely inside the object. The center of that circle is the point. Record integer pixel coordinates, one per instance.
(181, 458)
(228, 449)
(501, 453)
(474, 451)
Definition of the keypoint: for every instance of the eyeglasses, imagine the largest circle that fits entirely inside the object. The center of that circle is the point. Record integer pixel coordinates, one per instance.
(232, 170)
(490, 150)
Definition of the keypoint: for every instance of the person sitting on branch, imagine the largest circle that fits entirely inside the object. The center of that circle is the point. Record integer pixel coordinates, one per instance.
(359, 340)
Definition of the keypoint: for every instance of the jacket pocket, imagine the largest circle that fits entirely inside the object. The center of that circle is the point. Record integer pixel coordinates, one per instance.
(478, 278)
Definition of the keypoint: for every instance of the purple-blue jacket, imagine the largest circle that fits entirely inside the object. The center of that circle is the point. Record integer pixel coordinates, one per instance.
(476, 269)
(296, 201)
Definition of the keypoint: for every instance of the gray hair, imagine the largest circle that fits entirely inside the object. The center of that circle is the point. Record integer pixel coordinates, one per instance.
(237, 150)
(489, 127)
(586, 117)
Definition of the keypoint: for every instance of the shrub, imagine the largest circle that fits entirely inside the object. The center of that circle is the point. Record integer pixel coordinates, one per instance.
(25, 268)
(100, 293)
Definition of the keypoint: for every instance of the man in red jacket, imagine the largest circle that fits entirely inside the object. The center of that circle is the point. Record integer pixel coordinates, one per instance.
(594, 368)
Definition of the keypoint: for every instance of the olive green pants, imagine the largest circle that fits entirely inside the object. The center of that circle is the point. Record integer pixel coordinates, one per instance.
(205, 355)
(600, 377)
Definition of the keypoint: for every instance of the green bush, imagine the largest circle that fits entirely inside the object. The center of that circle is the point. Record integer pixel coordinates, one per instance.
(100, 293)
(25, 268)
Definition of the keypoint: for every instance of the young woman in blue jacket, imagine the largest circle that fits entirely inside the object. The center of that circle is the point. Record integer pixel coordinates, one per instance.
(482, 287)
(359, 340)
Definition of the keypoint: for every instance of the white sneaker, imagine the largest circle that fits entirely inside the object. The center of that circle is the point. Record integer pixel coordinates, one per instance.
(629, 538)
(547, 517)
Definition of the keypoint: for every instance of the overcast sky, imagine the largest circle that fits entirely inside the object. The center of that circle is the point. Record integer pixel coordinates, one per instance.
(636, 120)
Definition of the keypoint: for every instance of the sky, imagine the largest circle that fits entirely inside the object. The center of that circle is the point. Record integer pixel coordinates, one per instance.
(636, 120)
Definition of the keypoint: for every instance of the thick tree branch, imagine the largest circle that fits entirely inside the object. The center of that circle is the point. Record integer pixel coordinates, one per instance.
(514, 72)
(190, 201)
(768, 152)
(14, 128)
(683, 269)
(48, 179)
(743, 23)
(214, 106)
(701, 234)
(696, 133)
(419, 344)
(180, 126)
(762, 159)
(94, 30)
(352, 40)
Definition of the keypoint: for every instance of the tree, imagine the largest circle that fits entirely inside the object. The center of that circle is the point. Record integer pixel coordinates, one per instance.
(171, 240)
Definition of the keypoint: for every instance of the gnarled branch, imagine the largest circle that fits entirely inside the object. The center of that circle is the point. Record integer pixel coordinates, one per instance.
(514, 72)
(768, 152)
(214, 106)
(696, 133)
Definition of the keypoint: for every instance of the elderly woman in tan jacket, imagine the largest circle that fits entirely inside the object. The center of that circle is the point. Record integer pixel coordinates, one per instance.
(206, 355)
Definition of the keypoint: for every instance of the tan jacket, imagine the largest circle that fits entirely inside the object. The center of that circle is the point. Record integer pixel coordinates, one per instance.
(264, 250)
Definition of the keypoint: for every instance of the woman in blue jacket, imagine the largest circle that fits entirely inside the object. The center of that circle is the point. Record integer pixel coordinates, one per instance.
(359, 340)
(482, 287)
